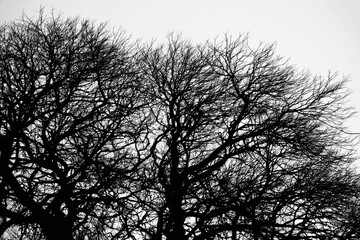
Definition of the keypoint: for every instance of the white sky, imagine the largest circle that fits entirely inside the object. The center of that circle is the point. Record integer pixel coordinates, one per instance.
(318, 35)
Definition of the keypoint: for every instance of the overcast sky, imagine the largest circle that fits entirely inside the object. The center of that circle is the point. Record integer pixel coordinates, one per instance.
(317, 35)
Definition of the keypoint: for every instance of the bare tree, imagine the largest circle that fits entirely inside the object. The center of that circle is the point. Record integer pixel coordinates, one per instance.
(69, 120)
(243, 145)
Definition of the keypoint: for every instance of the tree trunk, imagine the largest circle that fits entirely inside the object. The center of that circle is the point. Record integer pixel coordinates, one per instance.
(56, 229)
(177, 217)
(177, 232)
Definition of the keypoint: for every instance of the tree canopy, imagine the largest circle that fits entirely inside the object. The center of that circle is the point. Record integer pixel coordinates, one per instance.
(104, 138)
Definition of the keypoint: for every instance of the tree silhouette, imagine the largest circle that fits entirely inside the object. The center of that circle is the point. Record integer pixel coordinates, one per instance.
(104, 139)
(69, 120)
(243, 145)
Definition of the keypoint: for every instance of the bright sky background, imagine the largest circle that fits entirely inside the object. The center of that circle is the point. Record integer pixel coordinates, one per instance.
(317, 35)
